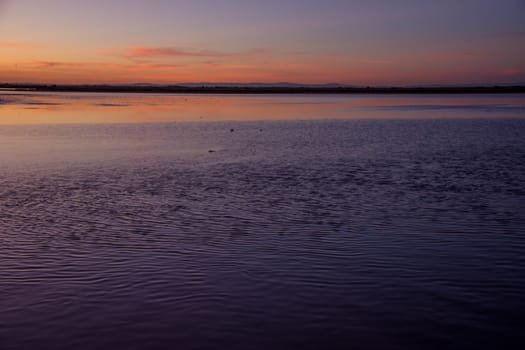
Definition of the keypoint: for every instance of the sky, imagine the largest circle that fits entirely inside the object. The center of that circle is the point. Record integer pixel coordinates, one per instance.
(372, 42)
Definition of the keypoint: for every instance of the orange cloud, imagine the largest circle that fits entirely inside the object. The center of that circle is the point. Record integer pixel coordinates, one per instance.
(50, 64)
(139, 51)
(97, 65)
(152, 65)
(110, 72)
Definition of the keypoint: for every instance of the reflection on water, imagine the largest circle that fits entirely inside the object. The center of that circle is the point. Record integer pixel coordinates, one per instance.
(291, 235)
(44, 108)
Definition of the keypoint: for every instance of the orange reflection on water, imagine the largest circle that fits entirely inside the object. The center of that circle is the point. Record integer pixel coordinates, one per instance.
(68, 108)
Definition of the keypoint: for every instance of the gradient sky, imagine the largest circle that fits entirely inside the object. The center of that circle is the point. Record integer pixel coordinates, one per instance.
(372, 42)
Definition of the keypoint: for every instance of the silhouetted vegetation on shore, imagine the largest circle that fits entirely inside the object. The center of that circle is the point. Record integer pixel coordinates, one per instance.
(265, 89)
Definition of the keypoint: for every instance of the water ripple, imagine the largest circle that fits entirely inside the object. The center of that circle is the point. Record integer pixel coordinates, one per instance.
(375, 232)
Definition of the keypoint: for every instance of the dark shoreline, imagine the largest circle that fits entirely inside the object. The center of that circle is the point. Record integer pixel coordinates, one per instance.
(263, 89)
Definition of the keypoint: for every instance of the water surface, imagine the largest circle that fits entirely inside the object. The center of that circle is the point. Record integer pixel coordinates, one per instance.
(68, 108)
(373, 222)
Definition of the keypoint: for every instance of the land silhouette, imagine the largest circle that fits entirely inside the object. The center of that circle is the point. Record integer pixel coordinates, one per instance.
(264, 89)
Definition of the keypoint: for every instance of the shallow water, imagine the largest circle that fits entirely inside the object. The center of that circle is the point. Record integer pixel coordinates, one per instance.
(81, 108)
(371, 232)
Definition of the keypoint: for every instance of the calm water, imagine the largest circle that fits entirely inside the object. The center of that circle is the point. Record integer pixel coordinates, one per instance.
(397, 222)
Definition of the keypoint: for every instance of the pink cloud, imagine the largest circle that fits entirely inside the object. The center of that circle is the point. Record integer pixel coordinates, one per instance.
(147, 66)
(451, 55)
(139, 51)
(142, 53)
(513, 72)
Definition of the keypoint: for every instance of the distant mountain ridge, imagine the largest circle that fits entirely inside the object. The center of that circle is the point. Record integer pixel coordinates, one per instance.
(257, 84)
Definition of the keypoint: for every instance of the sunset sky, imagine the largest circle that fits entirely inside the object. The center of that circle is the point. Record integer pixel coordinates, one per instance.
(372, 42)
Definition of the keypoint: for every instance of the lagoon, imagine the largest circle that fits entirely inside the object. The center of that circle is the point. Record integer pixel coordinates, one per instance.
(326, 221)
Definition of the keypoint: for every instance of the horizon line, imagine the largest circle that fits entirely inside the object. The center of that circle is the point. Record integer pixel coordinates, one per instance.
(261, 89)
(267, 84)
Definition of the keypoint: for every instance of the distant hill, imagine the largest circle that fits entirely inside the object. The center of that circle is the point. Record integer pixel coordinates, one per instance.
(255, 84)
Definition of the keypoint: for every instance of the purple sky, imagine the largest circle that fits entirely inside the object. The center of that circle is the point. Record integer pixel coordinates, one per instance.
(370, 42)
